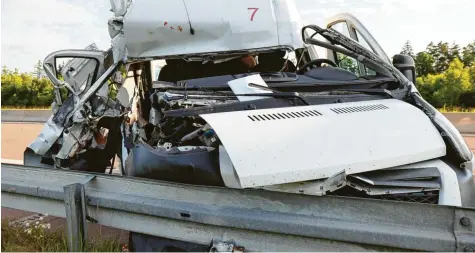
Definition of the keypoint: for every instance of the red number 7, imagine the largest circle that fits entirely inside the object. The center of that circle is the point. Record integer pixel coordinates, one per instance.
(253, 13)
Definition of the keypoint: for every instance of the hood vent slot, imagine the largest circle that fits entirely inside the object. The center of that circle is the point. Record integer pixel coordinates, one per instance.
(363, 108)
(284, 115)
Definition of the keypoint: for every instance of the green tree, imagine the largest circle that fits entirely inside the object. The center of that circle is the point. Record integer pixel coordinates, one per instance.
(428, 86)
(424, 64)
(441, 53)
(349, 64)
(471, 71)
(25, 90)
(456, 80)
(5, 70)
(454, 52)
(433, 51)
(38, 69)
(468, 54)
(442, 61)
(447, 88)
(407, 50)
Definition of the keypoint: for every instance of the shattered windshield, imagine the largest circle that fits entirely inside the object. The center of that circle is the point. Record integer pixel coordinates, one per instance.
(347, 62)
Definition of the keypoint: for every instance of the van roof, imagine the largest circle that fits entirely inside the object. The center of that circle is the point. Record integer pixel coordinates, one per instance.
(168, 28)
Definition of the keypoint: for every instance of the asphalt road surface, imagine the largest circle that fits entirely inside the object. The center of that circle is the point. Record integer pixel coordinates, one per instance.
(15, 138)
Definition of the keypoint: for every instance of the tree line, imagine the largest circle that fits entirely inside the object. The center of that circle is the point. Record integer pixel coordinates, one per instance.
(30, 90)
(446, 73)
(446, 78)
(26, 89)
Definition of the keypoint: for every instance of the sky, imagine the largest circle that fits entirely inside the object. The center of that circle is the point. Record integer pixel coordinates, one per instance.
(31, 29)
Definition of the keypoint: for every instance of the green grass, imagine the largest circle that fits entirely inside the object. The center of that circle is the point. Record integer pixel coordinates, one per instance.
(456, 109)
(17, 238)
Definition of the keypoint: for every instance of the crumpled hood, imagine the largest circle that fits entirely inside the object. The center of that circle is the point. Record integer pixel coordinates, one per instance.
(284, 145)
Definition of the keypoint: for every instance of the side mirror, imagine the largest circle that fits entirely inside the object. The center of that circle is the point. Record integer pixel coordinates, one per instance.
(406, 65)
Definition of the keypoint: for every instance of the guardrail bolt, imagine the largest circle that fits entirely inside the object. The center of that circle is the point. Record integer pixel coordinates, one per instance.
(465, 221)
(468, 249)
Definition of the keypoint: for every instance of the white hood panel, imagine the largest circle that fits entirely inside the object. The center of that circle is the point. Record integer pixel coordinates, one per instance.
(284, 145)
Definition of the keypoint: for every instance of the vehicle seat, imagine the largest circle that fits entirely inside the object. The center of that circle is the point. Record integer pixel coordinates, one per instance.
(173, 71)
(274, 62)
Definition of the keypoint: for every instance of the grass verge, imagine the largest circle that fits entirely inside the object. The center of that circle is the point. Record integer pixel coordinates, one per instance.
(38, 238)
(456, 109)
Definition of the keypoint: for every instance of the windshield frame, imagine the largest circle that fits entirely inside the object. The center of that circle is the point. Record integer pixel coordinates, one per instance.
(352, 49)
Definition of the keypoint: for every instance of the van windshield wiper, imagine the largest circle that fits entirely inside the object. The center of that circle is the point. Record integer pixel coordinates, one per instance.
(399, 93)
(383, 92)
(274, 94)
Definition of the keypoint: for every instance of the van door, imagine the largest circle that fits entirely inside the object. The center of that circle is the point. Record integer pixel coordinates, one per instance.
(76, 70)
(350, 26)
(358, 32)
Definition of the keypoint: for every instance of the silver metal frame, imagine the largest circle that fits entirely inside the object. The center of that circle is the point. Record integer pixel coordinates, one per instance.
(281, 221)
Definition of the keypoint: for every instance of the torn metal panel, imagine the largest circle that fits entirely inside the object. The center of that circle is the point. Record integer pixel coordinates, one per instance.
(48, 136)
(360, 182)
(380, 190)
(119, 48)
(74, 139)
(81, 114)
(403, 174)
(318, 188)
(61, 116)
(119, 7)
(431, 183)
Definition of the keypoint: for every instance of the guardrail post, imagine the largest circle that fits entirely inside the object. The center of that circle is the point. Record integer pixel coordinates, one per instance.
(74, 201)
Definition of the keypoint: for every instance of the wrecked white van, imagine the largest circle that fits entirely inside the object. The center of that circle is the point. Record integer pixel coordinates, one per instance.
(246, 99)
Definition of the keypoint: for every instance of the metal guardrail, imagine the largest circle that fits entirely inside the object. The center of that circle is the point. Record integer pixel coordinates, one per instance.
(255, 219)
(25, 116)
